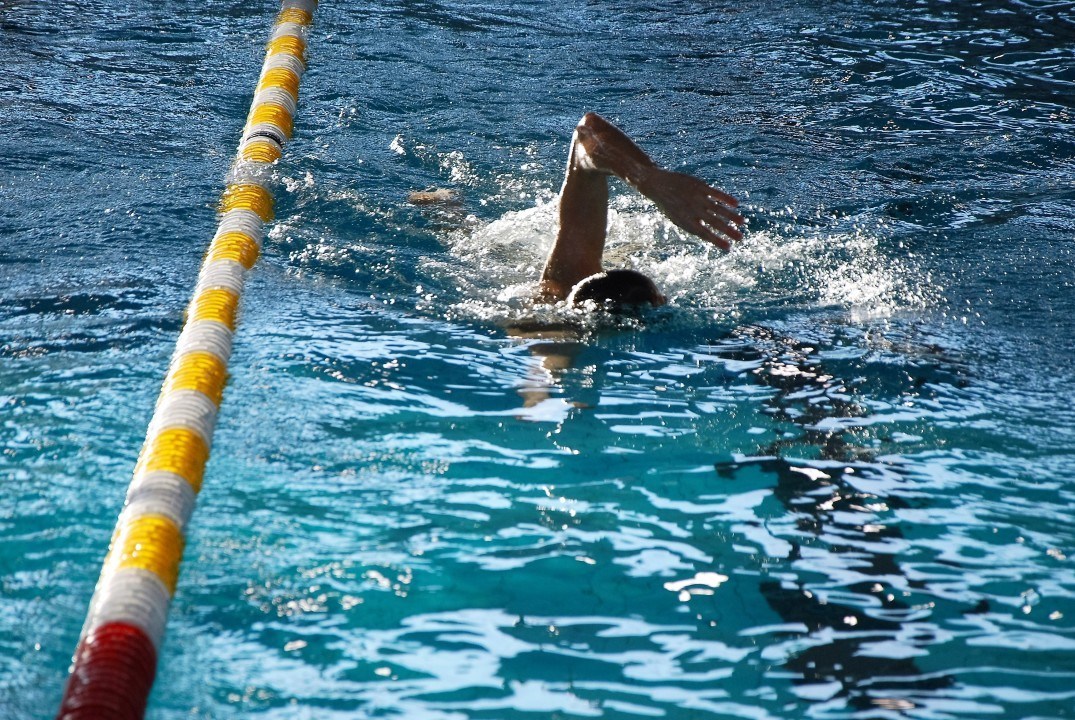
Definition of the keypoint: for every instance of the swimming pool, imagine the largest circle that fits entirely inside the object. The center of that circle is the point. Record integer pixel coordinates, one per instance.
(829, 480)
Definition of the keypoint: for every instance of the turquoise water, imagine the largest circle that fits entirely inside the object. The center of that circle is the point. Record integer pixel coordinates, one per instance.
(830, 480)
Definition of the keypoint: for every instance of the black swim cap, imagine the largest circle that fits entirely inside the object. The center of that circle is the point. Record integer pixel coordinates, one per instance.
(616, 290)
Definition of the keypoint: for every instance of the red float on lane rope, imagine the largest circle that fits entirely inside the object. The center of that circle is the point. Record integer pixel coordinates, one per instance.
(114, 670)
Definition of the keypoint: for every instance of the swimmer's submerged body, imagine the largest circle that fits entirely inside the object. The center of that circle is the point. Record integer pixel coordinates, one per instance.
(573, 271)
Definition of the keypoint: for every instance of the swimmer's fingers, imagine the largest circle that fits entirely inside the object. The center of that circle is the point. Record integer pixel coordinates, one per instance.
(722, 210)
(723, 197)
(710, 227)
(717, 233)
(695, 206)
(726, 221)
(717, 223)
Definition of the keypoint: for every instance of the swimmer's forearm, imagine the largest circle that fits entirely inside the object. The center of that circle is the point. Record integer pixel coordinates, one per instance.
(687, 201)
(606, 149)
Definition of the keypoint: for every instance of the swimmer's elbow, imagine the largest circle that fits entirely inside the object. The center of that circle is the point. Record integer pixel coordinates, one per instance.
(592, 120)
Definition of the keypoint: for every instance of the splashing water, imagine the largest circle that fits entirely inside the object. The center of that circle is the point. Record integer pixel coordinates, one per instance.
(495, 266)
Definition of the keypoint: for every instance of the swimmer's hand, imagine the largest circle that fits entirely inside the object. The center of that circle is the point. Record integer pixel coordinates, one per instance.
(694, 206)
(438, 196)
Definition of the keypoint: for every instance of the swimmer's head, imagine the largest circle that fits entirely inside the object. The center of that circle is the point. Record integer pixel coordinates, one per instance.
(617, 290)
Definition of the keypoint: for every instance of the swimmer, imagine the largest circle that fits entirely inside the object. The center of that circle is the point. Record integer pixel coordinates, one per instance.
(573, 270)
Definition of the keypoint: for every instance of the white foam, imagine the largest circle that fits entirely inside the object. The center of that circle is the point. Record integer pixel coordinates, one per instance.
(496, 265)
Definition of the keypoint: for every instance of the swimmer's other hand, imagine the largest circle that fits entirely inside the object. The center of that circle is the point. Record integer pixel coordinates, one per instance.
(694, 206)
(432, 197)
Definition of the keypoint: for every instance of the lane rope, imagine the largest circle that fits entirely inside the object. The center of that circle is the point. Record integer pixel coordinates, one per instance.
(116, 659)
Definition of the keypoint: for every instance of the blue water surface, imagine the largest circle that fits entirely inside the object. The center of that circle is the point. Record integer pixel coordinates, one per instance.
(832, 479)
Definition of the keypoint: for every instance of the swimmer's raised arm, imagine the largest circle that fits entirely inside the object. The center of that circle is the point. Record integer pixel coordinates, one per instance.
(600, 149)
(687, 201)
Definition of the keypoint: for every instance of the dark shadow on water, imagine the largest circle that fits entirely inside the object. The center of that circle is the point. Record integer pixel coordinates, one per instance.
(834, 515)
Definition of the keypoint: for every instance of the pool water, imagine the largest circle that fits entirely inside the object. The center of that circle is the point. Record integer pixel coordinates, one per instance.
(831, 479)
